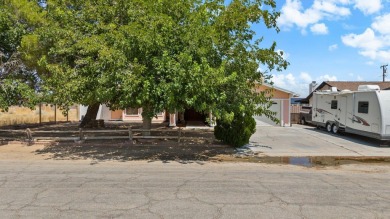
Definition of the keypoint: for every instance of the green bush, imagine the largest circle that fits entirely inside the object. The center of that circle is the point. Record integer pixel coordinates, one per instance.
(236, 132)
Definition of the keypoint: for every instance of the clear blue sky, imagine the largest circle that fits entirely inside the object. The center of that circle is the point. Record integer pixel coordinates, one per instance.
(345, 40)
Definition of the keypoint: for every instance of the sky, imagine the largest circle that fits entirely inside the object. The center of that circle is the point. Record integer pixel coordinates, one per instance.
(329, 40)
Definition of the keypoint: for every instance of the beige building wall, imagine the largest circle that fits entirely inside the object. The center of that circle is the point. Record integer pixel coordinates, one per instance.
(277, 94)
(138, 117)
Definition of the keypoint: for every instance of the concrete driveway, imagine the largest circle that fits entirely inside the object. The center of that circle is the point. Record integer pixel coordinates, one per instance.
(301, 140)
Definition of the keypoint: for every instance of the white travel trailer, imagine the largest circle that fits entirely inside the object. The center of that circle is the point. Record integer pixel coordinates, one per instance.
(364, 112)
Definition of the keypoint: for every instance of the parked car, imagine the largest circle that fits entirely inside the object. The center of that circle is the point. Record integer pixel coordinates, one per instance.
(306, 115)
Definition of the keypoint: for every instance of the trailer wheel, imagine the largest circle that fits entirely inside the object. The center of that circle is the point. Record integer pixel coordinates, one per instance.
(328, 127)
(303, 122)
(335, 129)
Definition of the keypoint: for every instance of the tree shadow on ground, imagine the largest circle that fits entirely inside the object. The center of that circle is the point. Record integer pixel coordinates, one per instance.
(124, 151)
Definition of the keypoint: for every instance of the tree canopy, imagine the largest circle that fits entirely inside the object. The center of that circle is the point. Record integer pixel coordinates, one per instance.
(18, 83)
(158, 55)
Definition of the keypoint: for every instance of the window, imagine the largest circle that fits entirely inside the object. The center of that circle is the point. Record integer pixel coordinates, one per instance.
(362, 107)
(333, 104)
(131, 111)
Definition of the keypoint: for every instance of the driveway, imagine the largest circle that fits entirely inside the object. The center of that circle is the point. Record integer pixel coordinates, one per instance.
(300, 140)
(263, 121)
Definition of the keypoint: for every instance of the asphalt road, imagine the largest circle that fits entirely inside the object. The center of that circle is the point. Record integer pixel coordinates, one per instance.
(140, 189)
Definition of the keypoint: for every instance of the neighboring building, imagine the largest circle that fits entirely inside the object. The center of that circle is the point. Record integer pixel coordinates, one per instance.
(342, 85)
(296, 100)
(312, 86)
(281, 105)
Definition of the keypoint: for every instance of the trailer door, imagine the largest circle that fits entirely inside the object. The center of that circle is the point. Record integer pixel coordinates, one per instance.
(341, 112)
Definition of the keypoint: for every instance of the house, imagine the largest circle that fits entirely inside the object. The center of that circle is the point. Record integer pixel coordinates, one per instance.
(281, 99)
(135, 115)
(129, 114)
(342, 85)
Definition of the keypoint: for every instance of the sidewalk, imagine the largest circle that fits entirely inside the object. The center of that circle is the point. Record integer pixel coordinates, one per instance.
(305, 141)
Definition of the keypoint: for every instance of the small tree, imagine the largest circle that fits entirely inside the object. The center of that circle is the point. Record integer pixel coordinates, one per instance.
(244, 54)
(236, 130)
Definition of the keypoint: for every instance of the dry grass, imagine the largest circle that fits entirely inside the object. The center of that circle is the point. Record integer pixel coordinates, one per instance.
(22, 115)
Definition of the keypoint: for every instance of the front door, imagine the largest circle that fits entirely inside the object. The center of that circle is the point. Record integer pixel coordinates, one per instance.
(192, 115)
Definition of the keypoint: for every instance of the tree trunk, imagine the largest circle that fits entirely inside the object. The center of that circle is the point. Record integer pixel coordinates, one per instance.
(146, 124)
(89, 119)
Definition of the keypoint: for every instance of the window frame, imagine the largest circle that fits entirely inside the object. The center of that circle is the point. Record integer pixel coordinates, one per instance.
(160, 114)
(333, 104)
(137, 114)
(363, 107)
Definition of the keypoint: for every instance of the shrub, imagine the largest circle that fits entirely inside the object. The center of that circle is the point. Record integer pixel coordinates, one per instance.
(236, 132)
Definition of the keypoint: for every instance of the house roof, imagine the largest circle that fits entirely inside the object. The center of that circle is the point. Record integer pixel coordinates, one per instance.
(353, 85)
(281, 89)
(348, 85)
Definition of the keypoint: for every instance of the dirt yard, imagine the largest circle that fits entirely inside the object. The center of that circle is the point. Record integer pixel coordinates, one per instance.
(120, 150)
(112, 150)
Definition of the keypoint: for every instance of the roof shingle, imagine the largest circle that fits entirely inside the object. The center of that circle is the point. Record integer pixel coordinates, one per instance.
(353, 85)
(348, 85)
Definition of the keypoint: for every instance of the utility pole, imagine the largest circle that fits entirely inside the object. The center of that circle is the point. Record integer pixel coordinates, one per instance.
(384, 70)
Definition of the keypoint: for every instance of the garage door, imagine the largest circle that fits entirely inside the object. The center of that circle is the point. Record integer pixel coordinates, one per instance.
(265, 121)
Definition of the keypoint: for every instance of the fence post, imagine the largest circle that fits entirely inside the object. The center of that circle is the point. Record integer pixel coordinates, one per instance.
(29, 135)
(55, 113)
(81, 134)
(130, 135)
(179, 136)
(40, 113)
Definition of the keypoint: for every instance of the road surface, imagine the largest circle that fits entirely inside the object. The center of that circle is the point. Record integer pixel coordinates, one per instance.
(141, 189)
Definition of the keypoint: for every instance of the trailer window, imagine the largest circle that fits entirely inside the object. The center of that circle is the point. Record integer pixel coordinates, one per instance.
(333, 104)
(362, 107)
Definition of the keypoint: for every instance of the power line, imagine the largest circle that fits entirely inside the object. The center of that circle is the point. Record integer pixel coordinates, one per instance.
(384, 70)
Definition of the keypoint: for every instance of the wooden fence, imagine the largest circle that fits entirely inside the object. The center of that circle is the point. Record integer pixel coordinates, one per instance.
(295, 108)
(294, 112)
(82, 135)
(42, 113)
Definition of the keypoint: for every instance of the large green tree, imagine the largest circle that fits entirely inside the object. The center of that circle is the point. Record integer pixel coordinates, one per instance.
(158, 55)
(198, 54)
